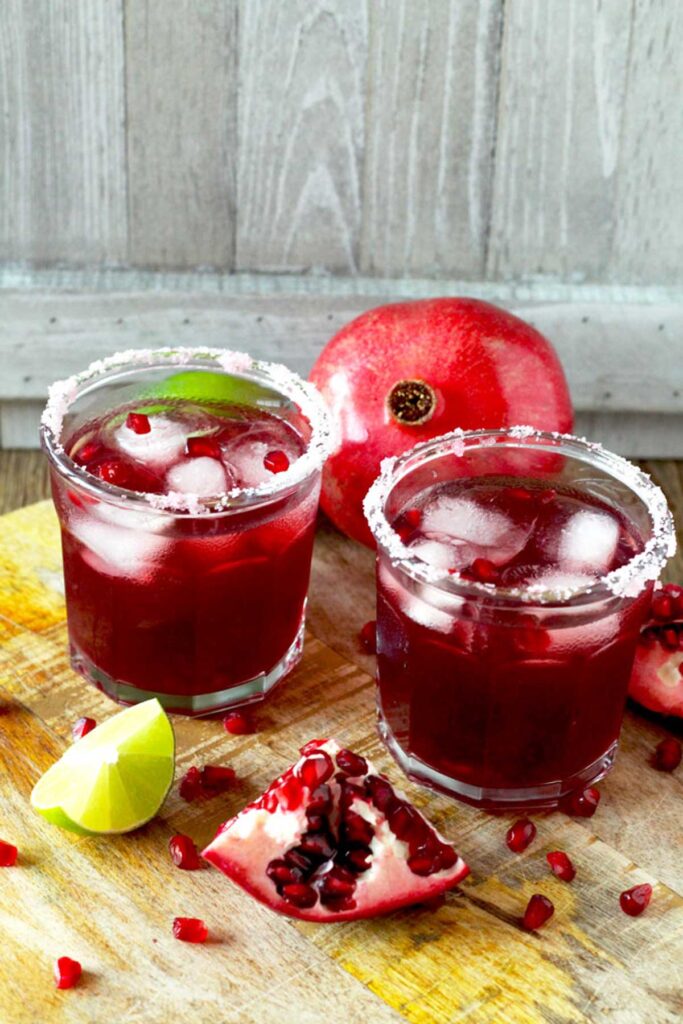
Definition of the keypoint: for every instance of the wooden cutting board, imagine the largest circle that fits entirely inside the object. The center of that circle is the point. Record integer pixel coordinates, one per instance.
(110, 902)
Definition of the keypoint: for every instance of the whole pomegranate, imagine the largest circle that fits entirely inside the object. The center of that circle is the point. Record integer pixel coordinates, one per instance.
(410, 371)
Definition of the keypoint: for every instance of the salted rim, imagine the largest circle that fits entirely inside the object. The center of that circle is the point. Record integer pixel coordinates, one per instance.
(626, 581)
(310, 402)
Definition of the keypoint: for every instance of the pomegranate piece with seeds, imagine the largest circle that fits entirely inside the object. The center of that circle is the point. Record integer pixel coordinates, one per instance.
(330, 840)
(190, 929)
(560, 865)
(520, 835)
(634, 901)
(8, 854)
(82, 727)
(67, 972)
(183, 852)
(657, 679)
(368, 637)
(238, 723)
(667, 755)
(539, 909)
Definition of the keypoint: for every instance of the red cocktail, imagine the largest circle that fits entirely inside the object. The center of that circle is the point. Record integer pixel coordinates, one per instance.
(186, 484)
(514, 572)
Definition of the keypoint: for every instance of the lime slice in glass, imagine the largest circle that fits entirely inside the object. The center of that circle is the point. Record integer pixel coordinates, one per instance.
(207, 386)
(114, 779)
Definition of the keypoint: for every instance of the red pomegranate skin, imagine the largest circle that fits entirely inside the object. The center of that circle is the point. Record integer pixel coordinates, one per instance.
(487, 368)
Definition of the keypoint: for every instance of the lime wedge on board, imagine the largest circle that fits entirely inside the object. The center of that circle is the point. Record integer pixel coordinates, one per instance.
(114, 779)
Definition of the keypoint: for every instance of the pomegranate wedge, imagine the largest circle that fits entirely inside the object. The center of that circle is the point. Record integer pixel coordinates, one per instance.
(325, 844)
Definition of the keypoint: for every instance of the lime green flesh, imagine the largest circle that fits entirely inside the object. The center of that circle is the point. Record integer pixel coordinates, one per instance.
(114, 779)
(207, 386)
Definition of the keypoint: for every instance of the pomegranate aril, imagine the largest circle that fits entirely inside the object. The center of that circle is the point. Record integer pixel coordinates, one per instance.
(309, 747)
(368, 637)
(138, 423)
(190, 929)
(296, 858)
(67, 972)
(317, 822)
(352, 764)
(358, 858)
(238, 723)
(207, 447)
(561, 865)
(539, 910)
(87, 453)
(447, 857)
(217, 778)
(283, 873)
(320, 800)
(406, 823)
(337, 883)
(115, 472)
(315, 769)
(583, 803)
(183, 852)
(291, 793)
(423, 865)
(667, 754)
(634, 901)
(276, 461)
(357, 829)
(191, 784)
(82, 727)
(381, 793)
(8, 854)
(300, 895)
(317, 844)
(662, 607)
(520, 835)
(482, 571)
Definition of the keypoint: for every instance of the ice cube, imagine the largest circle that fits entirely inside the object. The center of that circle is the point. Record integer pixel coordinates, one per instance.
(483, 532)
(413, 606)
(202, 476)
(442, 554)
(129, 518)
(119, 552)
(588, 542)
(246, 455)
(161, 446)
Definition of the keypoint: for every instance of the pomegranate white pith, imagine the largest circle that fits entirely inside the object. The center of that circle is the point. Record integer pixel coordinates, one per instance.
(345, 858)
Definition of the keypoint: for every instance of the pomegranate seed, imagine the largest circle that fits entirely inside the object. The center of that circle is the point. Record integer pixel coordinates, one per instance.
(406, 524)
(82, 727)
(291, 793)
(423, 864)
(190, 929)
(447, 857)
(312, 745)
(8, 854)
(669, 639)
(315, 844)
(87, 453)
(315, 769)
(203, 446)
(520, 835)
(296, 858)
(583, 804)
(381, 793)
(482, 571)
(357, 829)
(405, 822)
(358, 858)
(667, 754)
(413, 517)
(238, 723)
(113, 471)
(368, 637)
(276, 462)
(217, 778)
(138, 423)
(352, 764)
(191, 784)
(561, 865)
(300, 895)
(662, 607)
(539, 910)
(280, 872)
(320, 800)
(67, 972)
(317, 822)
(634, 901)
(183, 852)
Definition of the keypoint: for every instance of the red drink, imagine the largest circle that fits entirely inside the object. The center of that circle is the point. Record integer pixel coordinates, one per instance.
(506, 634)
(187, 531)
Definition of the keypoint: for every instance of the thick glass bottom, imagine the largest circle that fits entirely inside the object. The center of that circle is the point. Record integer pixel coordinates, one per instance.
(250, 691)
(537, 798)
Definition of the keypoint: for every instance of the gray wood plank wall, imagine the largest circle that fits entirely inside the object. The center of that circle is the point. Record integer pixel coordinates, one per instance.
(477, 139)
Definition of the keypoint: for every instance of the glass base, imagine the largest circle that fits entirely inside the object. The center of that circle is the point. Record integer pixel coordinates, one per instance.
(251, 691)
(536, 798)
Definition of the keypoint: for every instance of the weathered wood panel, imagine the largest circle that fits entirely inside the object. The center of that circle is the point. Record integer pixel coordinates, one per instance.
(431, 113)
(648, 238)
(62, 141)
(563, 76)
(300, 141)
(181, 92)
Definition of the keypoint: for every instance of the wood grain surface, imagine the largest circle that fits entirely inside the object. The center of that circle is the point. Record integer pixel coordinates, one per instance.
(110, 902)
(392, 137)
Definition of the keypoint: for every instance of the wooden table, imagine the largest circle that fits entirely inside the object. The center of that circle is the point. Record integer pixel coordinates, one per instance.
(110, 902)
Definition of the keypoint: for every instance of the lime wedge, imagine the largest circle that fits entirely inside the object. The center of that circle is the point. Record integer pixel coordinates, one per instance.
(207, 386)
(114, 779)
